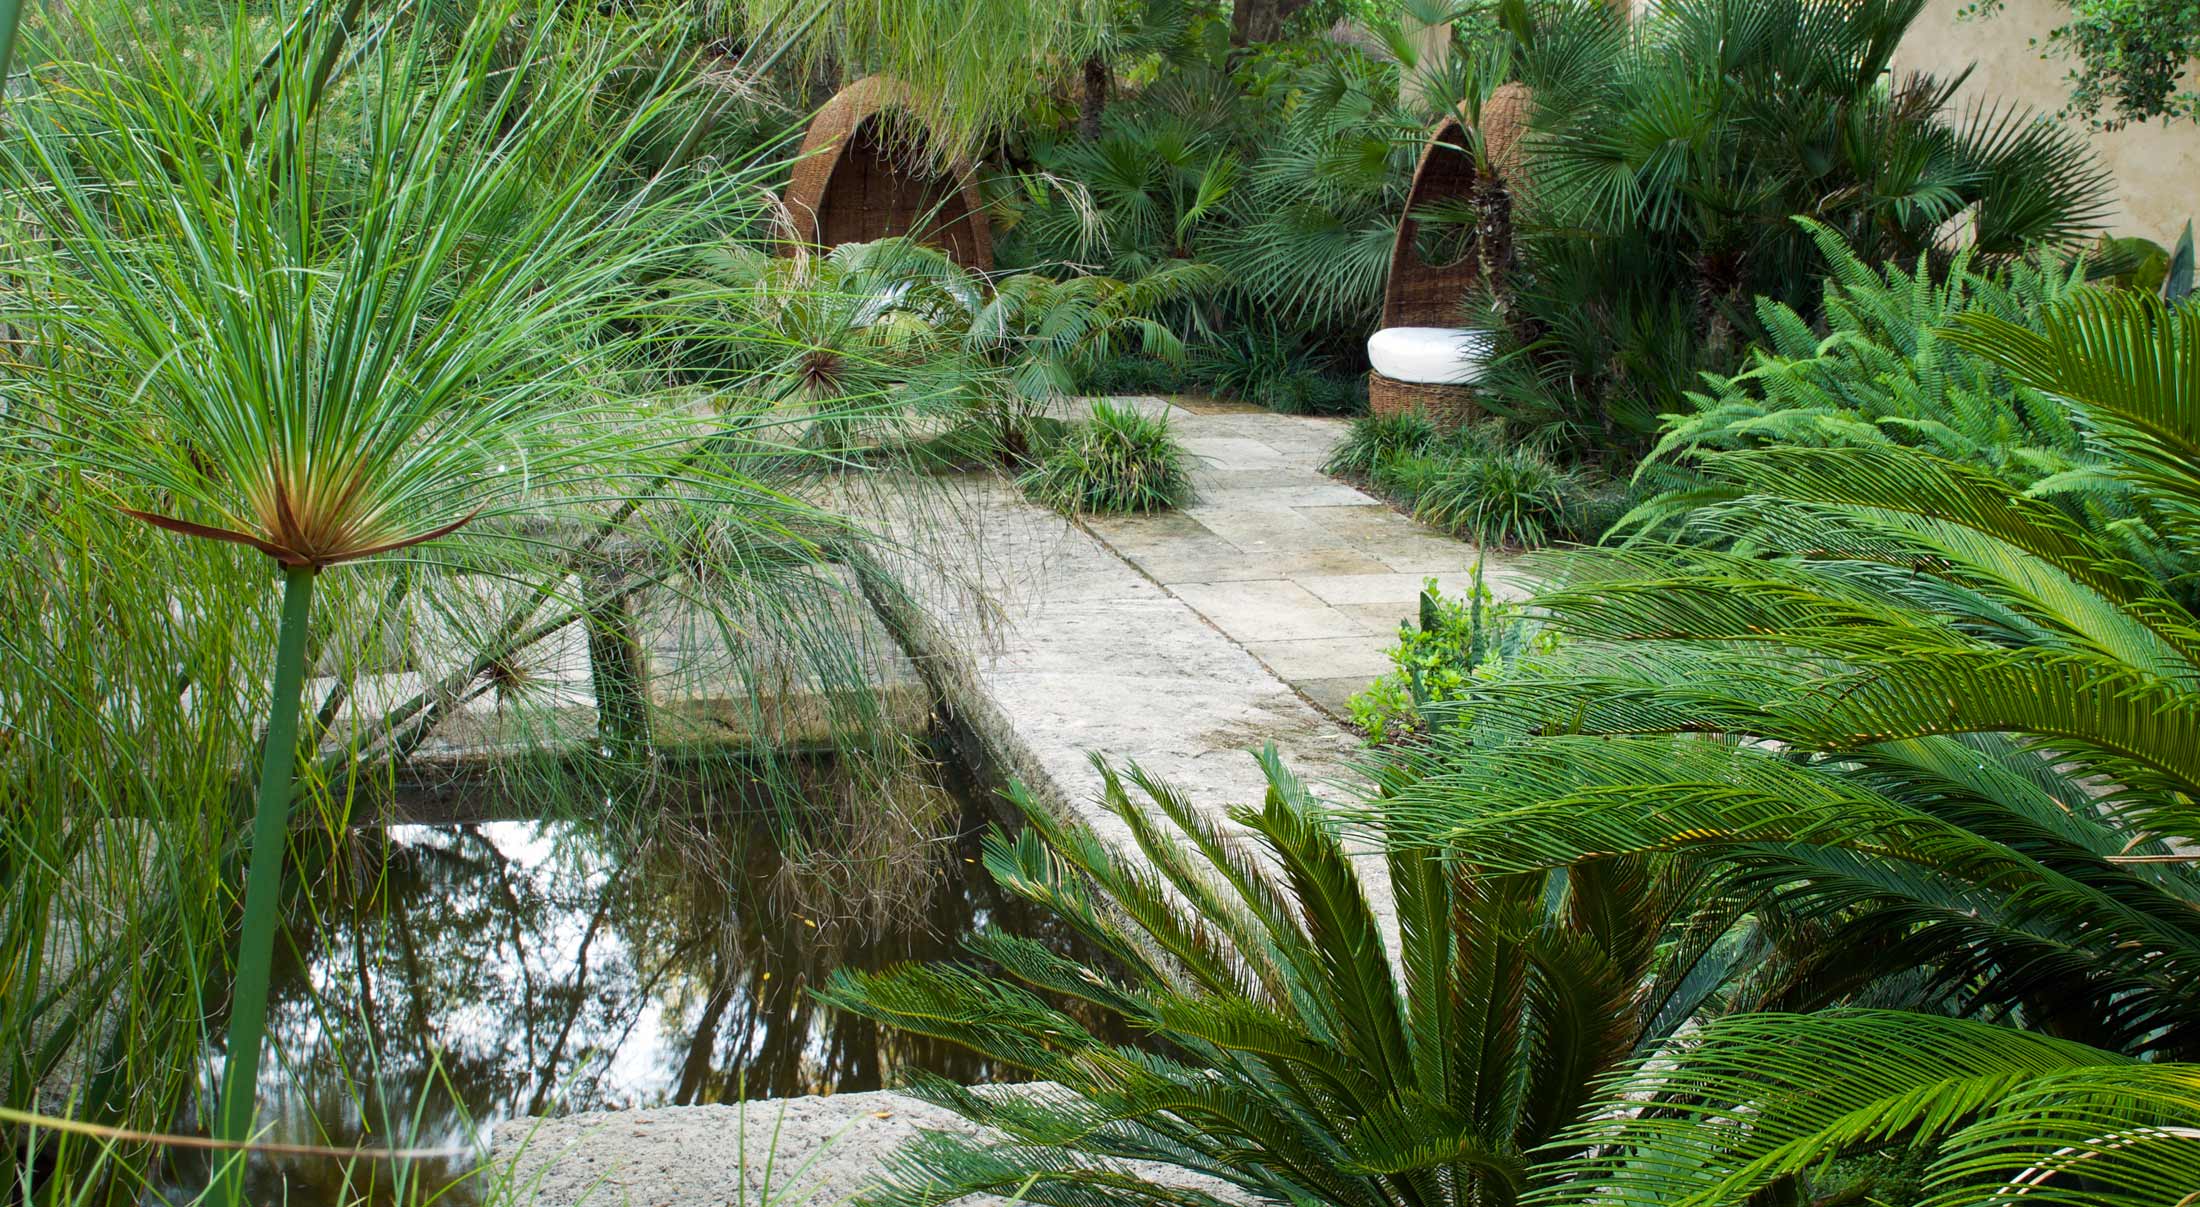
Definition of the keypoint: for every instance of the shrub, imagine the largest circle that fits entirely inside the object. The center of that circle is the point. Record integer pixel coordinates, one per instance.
(1275, 366)
(1875, 369)
(1135, 375)
(1925, 719)
(1513, 498)
(1117, 461)
(1403, 476)
(1662, 184)
(1301, 1066)
(1884, 374)
(1456, 643)
(1374, 438)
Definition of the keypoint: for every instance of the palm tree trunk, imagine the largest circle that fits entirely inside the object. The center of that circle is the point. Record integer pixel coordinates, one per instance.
(1091, 103)
(1254, 21)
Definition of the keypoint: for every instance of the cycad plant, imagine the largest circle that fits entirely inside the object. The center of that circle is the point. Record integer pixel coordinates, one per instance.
(1946, 723)
(342, 331)
(1295, 1055)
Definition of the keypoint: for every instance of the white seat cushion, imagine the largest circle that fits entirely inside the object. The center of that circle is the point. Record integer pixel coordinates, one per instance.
(1436, 356)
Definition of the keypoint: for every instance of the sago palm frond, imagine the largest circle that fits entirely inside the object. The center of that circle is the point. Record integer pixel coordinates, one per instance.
(1895, 695)
(1297, 1050)
(1749, 1102)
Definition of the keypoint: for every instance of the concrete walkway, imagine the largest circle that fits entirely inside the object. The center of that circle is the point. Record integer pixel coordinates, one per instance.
(1182, 642)
(1308, 574)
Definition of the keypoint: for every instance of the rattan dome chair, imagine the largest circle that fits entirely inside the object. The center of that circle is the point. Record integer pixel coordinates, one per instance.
(855, 182)
(1423, 294)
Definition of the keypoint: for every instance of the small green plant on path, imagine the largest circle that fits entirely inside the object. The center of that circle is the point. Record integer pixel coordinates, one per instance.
(1449, 646)
(1119, 460)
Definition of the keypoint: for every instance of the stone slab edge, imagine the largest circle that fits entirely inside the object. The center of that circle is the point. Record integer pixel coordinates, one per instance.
(824, 1148)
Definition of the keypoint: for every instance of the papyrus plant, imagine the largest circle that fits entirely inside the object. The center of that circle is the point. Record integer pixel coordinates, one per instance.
(333, 320)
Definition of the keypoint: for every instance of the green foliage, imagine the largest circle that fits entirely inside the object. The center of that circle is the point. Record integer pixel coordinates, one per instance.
(972, 69)
(1405, 476)
(2015, 1117)
(1661, 187)
(1451, 645)
(1925, 718)
(1513, 498)
(1285, 165)
(1050, 334)
(1879, 370)
(452, 282)
(2134, 58)
(874, 334)
(1375, 439)
(1291, 1058)
(1884, 373)
(1476, 481)
(1119, 460)
(2129, 262)
(2177, 283)
(1276, 367)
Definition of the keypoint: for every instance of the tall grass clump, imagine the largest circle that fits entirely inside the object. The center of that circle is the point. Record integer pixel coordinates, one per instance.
(1377, 438)
(1119, 460)
(1515, 497)
(339, 369)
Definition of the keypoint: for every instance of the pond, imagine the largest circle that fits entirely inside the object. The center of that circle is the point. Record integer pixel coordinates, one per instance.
(480, 969)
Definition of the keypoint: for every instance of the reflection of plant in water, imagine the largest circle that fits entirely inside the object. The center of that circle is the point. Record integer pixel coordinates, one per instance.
(499, 968)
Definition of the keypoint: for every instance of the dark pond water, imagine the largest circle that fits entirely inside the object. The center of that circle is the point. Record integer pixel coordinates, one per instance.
(468, 973)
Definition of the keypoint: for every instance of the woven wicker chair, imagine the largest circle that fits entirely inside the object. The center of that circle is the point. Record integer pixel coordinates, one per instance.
(854, 184)
(1424, 294)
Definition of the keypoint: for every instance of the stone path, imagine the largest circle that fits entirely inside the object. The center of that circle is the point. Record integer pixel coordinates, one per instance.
(1308, 574)
(1180, 641)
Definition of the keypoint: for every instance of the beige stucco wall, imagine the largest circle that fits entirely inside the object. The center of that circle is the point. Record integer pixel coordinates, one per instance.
(2156, 166)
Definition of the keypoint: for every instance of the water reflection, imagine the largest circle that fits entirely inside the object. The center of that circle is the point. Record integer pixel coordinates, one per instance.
(508, 968)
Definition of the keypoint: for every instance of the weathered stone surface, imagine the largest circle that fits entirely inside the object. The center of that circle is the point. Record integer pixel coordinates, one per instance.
(1267, 610)
(1155, 639)
(1323, 658)
(818, 1150)
(789, 1152)
(1399, 588)
(1308, 572)
(713, 678)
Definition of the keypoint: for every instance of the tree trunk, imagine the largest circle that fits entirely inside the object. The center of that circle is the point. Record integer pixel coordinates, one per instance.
(1493, 242)
(1094, 101)
(1254, 21)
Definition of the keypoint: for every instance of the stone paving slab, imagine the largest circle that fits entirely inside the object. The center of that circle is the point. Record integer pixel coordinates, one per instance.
(1266, 610)
(1180, 641)
(1324, 658)
(1401, 588)
(1077, 652)
(1309, 574)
